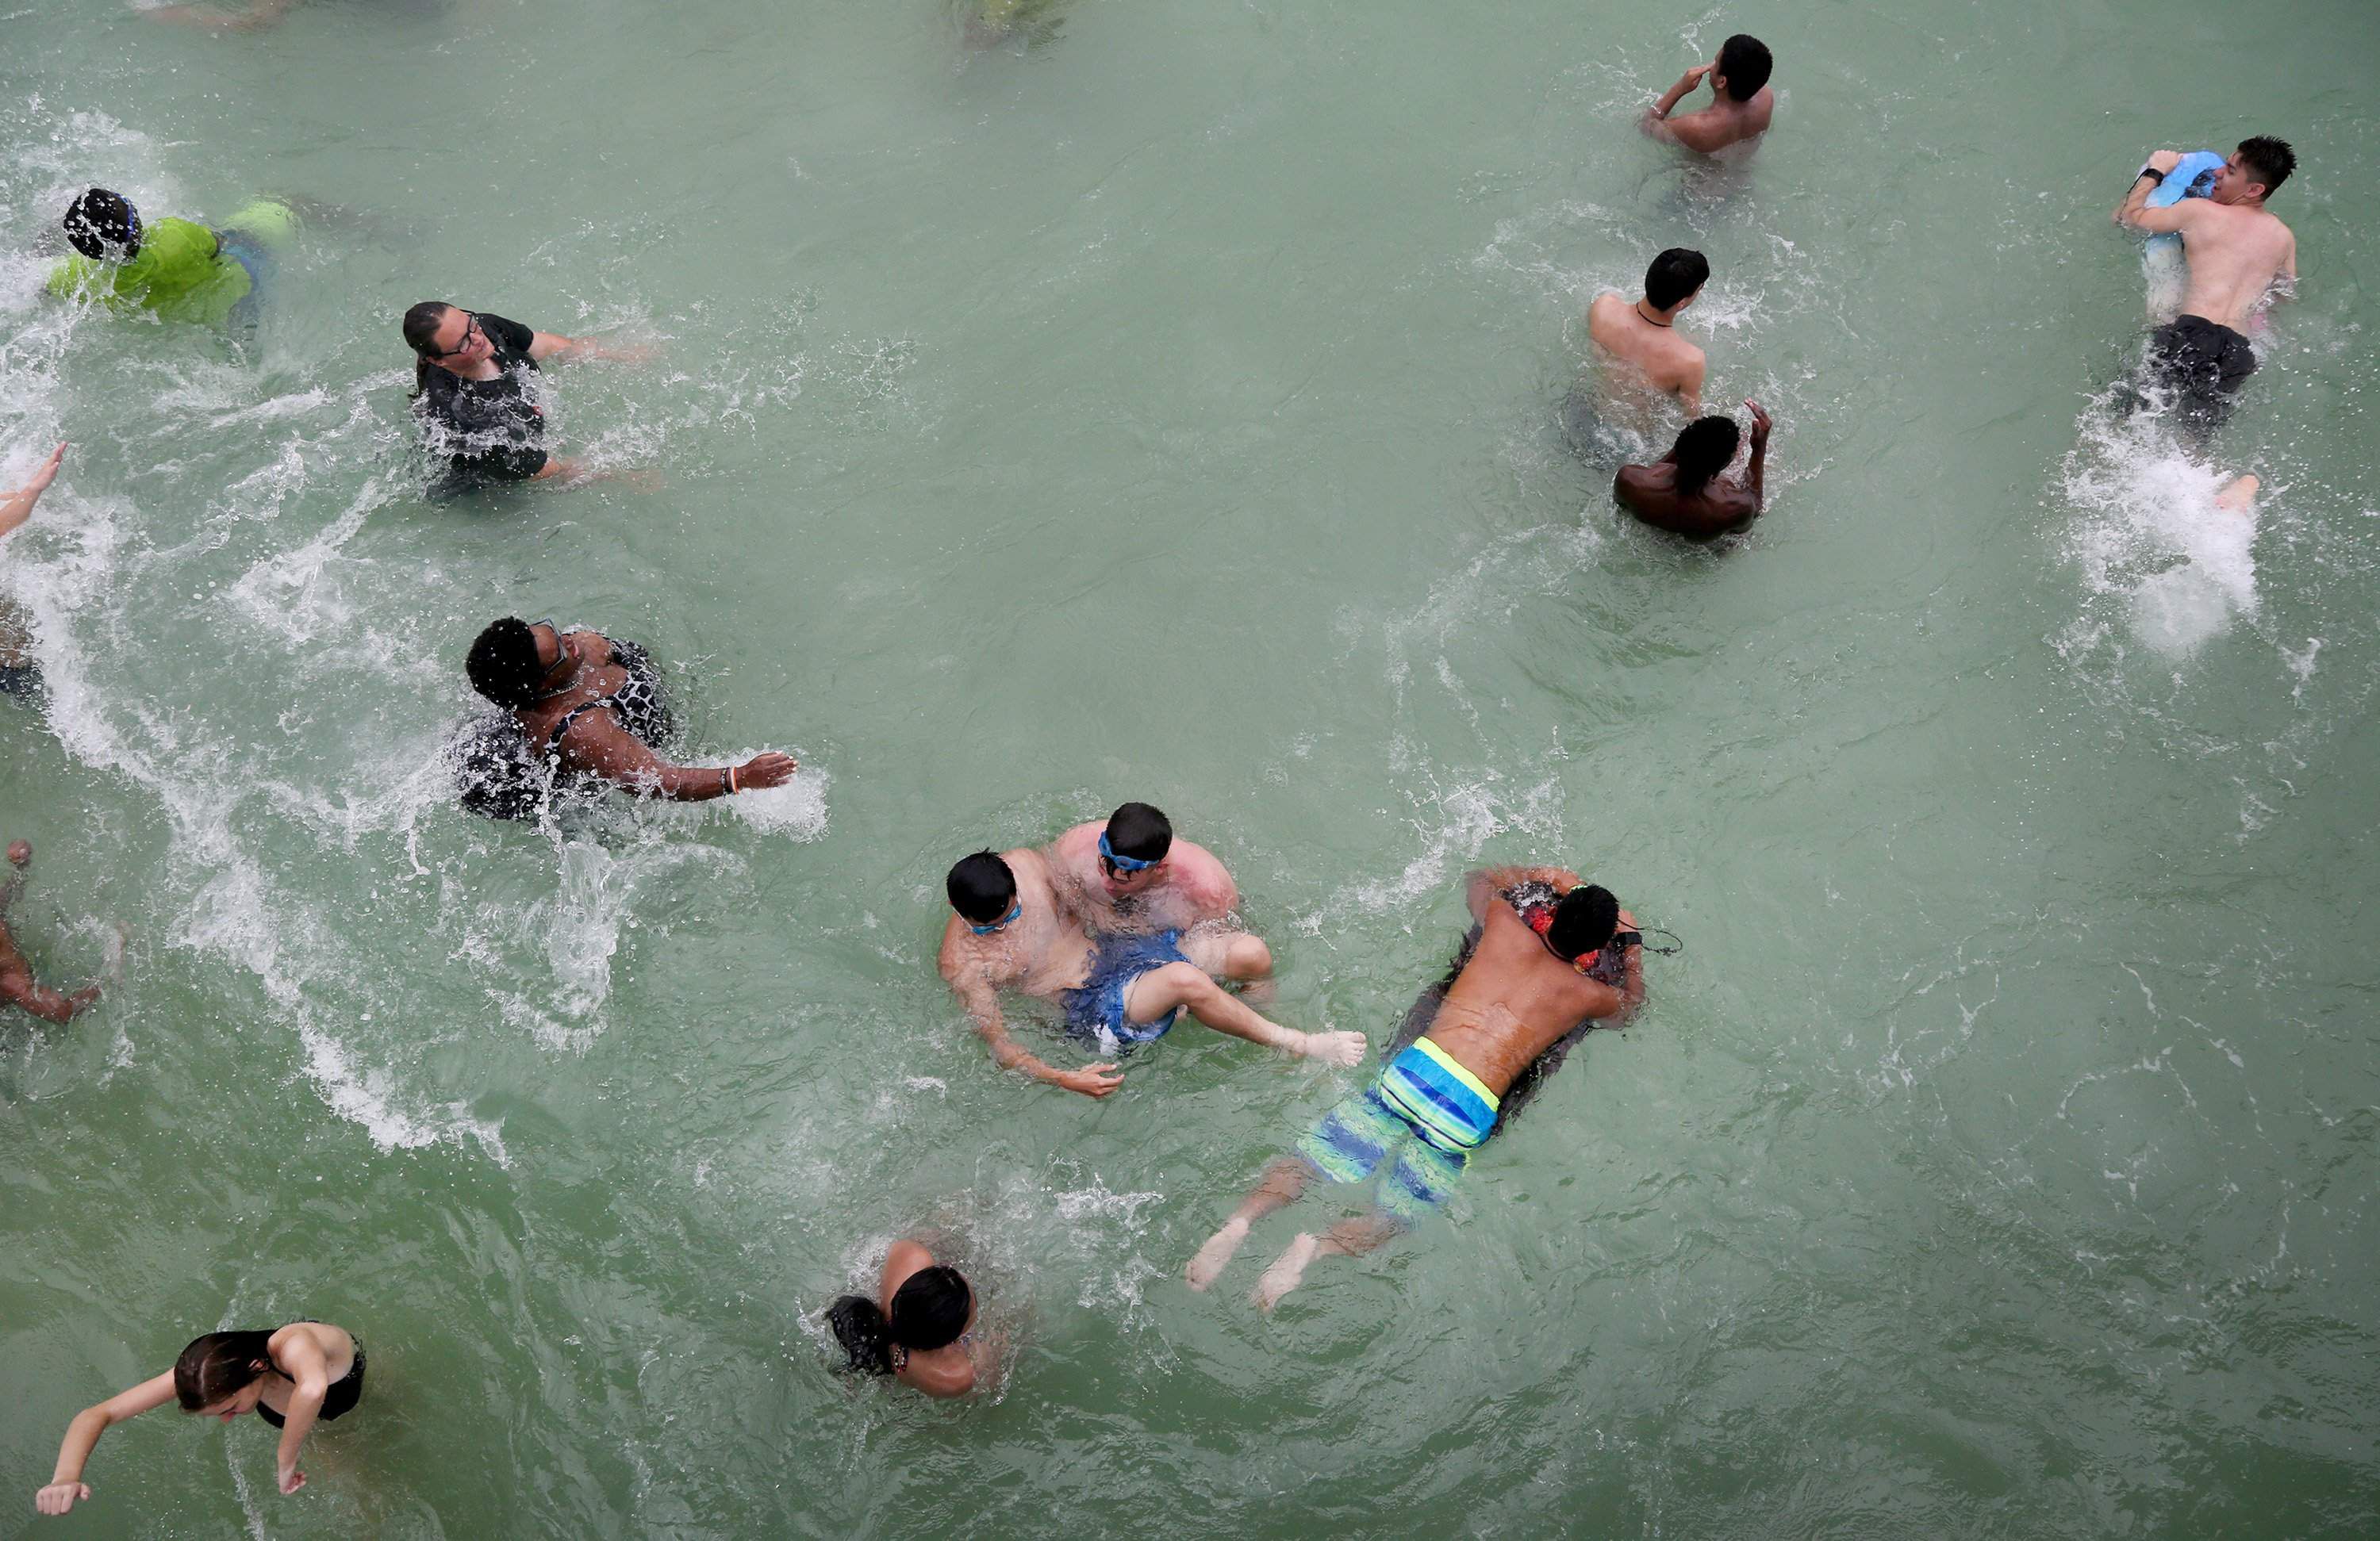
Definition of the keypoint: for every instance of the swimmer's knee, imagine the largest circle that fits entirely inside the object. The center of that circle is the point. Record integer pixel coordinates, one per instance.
(1247, 958)
(1185, 982)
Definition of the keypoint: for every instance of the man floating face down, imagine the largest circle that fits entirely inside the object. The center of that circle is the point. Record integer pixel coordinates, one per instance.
(1551, 956)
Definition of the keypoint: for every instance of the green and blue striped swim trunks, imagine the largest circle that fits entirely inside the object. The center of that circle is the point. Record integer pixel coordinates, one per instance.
(1424, 1108)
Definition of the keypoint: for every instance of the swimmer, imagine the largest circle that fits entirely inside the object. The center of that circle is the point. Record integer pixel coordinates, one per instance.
(2238, 253)
(1685, 490)
(473, 394)
(254, 18)
(20, 677)
(181, 269)
(17, 987)
(1128, 874)
(1740, 105)
(1014, 928)
(1642, 336)
(289, 1377)
(919, 1330)
(1529, 982)
(593, 707)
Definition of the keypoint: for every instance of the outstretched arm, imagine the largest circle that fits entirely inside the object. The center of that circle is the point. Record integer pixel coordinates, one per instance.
(1755, 472)
(66, 1485)
(40, 1000)
(598, 743)
(18, 506)
(553, 345)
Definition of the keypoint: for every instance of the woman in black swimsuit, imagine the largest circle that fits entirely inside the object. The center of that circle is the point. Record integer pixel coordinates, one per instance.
(475, 391)
(593, 707)
(289, 1377)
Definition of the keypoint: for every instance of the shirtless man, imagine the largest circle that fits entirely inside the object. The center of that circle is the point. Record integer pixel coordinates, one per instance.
(2237, 252)
(1642, 336)
(1012, 928)
(17, 986)
(1685, 492)
(1129, 876)
(1527, 984)
(1740, 106)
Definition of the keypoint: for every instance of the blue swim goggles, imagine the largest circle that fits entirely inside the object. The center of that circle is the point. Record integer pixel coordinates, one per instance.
(999, 925)
(1118, 865)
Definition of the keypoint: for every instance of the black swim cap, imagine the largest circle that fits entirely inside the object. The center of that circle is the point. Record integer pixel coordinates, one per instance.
(100, 220)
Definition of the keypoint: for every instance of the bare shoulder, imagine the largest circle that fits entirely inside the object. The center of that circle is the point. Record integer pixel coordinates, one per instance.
(1076, 844)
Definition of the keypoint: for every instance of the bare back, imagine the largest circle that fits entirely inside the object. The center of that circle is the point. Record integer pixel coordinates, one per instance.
(1651, 493)
(1041, 954)
(1512, 999)
(1654, 358)
(2235, 254)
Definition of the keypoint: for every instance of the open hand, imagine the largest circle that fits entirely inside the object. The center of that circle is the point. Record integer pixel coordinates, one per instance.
(45, 473)
(292, 1480)
(1091, 1080)
(766, 770)
(1760, 423)
(59, 1497)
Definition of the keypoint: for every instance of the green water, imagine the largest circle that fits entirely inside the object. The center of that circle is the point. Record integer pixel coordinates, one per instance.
(1169, 412)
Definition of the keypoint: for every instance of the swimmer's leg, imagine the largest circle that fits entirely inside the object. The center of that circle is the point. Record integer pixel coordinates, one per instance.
(1282, 1184)
(1236, 957)
(1349, 1238)
(1178, 986)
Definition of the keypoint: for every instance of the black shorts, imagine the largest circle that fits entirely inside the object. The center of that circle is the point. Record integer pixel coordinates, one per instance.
(2202, 365)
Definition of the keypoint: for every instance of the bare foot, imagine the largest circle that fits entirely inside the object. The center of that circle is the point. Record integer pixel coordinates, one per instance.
(1342, 1049)
(1286, 1271)
(1217, 1254)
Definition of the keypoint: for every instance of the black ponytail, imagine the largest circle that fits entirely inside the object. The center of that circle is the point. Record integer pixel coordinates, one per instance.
(865, 1334)
(929, 1311)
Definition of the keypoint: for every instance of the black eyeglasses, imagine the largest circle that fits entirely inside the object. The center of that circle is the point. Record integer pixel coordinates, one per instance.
(470, 330)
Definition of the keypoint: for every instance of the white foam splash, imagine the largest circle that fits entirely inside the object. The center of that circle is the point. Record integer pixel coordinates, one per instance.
(2151, 536)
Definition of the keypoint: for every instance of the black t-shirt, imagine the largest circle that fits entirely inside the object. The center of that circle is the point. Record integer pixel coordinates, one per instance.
(488, 429)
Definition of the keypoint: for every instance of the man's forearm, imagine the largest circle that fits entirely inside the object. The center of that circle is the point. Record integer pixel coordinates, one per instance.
(2137, 197)
(1755, 473)
(1670, 98)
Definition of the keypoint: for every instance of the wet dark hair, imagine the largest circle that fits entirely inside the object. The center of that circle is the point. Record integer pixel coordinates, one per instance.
(1674, 275)
(421, 325)
(503, 663)
(100, 219)
(214, 1367)
(1744, 63)
(1138, 831)
(929, 1311)
(981, 888)
(1704, 448)
(2267, 160)
(1584, 921)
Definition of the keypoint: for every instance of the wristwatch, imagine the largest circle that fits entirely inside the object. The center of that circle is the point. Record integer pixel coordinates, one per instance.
(2152, 173)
